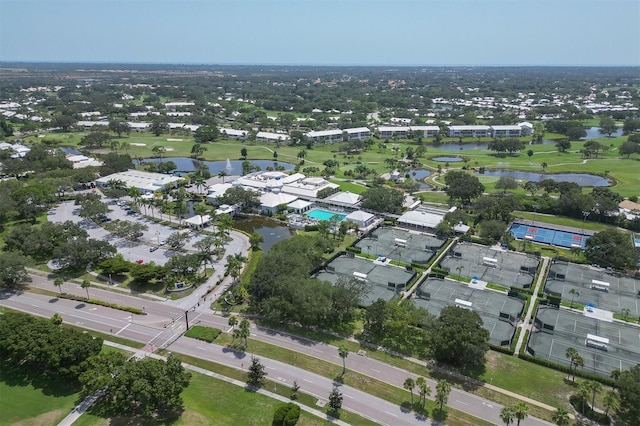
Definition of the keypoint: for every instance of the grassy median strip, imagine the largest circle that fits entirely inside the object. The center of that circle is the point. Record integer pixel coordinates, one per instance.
(358, 381)
(277, 388)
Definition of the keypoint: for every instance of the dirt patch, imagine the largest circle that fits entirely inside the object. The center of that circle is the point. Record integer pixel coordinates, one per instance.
(492, 360)
(45, 419)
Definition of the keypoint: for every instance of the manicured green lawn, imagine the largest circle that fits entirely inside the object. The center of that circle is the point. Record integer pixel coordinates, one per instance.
(208, 401)
(34, 400)
(349, 186)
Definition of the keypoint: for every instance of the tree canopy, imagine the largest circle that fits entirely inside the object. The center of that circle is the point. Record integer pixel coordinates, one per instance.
(628, 388)
(463, 186)
(458, 337)
(384, 200)
(611, 248)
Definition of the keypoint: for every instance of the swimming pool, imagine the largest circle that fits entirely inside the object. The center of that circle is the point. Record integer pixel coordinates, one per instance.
(320, 214)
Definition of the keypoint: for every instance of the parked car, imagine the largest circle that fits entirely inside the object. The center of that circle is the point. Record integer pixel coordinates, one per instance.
(154, 248)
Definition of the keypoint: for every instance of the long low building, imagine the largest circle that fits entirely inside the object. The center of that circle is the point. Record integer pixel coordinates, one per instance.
(143, 181)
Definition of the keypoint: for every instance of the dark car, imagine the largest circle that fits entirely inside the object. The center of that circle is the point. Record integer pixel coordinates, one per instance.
(154, 248)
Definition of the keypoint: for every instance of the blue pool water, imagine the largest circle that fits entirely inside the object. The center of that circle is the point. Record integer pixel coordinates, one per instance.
(320, 214)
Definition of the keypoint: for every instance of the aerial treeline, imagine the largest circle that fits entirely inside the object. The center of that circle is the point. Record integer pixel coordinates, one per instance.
(43, 347)
(282, 290)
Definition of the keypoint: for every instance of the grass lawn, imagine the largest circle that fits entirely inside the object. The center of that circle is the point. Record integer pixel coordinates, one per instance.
(209, 401)
(33, 400)
(350, 186)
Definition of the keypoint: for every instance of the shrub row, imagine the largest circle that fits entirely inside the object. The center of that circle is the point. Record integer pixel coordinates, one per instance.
(103, 303)
(207, 334)
(501, 349)
(439, 271)
(354, 249)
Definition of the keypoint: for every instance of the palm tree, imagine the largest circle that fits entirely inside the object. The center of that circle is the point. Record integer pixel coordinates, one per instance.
(625, 313)
(579, 362)
(86, 284)
(544, 166)
(594, 387)
(244, 330)
(560, 417)
(410, 384)
(425, 391)
(233, 321)
(583, 394)
(222, 174)
(459, 269)
(200, 210)
(571, 354)
(58, 283)
(521, 411)
(234, 265)
(420, 383)
(443, 388)
(343, 351)
(610, 401)
(508, 415)
(574, 293)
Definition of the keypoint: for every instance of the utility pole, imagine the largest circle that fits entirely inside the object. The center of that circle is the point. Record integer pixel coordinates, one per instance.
(186, 318)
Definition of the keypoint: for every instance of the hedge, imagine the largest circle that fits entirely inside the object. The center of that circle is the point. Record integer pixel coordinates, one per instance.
(103, 303)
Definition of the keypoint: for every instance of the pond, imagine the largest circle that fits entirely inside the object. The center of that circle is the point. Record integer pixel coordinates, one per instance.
(582, 179)
(594, 133)
(271, 230)
(419, 176)
(233, 167)
(447, 159)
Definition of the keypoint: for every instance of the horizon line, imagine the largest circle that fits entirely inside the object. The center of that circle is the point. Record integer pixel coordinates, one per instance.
(8, 62)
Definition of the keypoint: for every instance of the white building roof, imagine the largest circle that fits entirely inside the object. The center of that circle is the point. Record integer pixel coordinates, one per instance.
(359, 216)
(272, 136)
(357, 130)
(345, 197)
(322, 133)
(470, 127)
(421, 218)
(506, 127)
(198, 220)
(145, 181)
(93, 123)
(309, 187)
(299, 204)
(218, 189)
(234, 132)
(271, 200)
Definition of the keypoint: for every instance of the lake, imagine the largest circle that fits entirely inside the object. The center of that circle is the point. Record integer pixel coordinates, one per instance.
(582, 179)
(594, 133)
(271, 230)
(215, 167)
(447, 159)
(452, 146)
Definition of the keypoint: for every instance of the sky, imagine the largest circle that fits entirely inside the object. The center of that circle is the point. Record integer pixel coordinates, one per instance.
(323, 32)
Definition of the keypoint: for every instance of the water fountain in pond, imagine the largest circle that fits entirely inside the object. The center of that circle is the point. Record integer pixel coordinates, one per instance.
(228, 167)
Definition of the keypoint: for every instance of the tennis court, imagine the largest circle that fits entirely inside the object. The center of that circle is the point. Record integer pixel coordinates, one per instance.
(401, 245)
(500, 313)
(546, 235)
(604, 346)
(497, 266)
(385, 280)
(594, 286)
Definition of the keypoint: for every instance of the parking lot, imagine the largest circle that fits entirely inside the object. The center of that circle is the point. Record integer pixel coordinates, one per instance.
(133, 251)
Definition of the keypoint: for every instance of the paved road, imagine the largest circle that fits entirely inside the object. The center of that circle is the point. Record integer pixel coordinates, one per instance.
(164, 325)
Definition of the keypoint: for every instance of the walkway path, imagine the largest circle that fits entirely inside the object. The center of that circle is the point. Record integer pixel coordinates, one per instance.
(524, 325)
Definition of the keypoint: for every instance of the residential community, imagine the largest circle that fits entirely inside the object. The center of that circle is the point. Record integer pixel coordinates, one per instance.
(321, 244)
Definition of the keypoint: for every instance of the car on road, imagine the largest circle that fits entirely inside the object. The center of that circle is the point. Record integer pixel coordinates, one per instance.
(154, 248)
(139, 261)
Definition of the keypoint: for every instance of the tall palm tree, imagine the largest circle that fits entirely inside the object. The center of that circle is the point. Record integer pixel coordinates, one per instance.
(343, 351)
(611, 401)
(58, 283)
(222, 174)
(86, 284)
(443, 388)
(425, 391)
(508, 415)
(561, 417)
(583, 394)
(420, 382)
(571, 354)
(410, 384)
(521, 410)
(595, 388)
(200, 210)
(578, 362)
(574, 293)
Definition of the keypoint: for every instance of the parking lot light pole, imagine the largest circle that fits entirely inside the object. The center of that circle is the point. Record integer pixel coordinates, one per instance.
(158, 236)
(109, 279)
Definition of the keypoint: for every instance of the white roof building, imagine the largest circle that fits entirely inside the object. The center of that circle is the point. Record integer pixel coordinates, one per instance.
(262, 181)
(217, 190)
(233, 133)
(419, 219)
(198, 220)
(272, 137)
(270, 201)
(344, 197)
(309, 187)
(144, 181)
(299, 206)
(325, 135)
(360, 218)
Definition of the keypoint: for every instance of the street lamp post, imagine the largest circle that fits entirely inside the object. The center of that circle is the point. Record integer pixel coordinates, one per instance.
(585, 214)
(109, 279)
(158, 236)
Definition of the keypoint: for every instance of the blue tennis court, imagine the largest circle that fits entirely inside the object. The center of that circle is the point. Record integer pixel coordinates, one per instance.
(549, 236)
